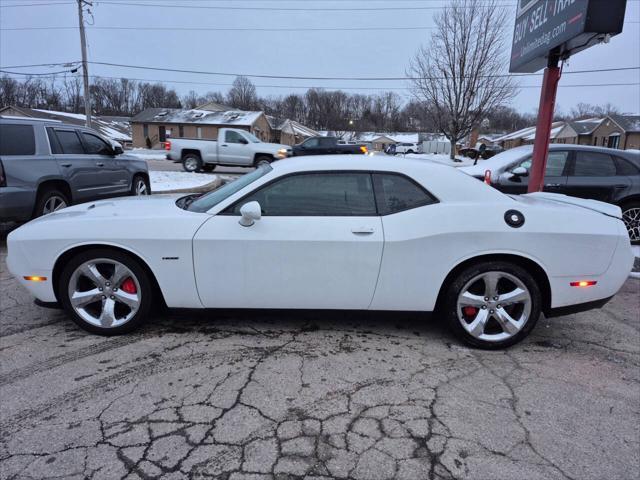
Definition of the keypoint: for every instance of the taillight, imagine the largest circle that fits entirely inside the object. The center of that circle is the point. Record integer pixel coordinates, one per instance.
(487, 177)
(363, 149)
(167, 145)
(3, 179)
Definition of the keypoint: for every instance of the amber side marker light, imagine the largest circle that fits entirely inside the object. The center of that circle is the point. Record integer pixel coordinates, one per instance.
(35, 278)
(583, 283)
(363, 149)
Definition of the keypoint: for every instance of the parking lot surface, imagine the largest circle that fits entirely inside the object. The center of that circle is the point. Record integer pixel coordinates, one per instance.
(257, 395)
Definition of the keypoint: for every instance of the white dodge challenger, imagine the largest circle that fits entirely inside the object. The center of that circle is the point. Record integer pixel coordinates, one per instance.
(335, 232)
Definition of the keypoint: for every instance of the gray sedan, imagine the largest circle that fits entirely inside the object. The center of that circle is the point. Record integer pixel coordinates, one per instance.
(48, 165)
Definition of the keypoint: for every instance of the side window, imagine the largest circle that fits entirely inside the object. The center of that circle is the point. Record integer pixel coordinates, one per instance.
(312, 143)
(53, 141)
(17, 140)
(315, 194)
(395, 193)
(556, 162)
(624, 167)
(95, 145)
(231, 136)
(592, 164)
(326, 142)
(69, 141)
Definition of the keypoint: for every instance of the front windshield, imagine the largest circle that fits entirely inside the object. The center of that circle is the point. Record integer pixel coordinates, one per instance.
(252, 138)
(211, 199)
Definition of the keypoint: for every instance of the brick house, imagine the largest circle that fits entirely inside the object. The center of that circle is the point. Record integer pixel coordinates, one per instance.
(153, 126)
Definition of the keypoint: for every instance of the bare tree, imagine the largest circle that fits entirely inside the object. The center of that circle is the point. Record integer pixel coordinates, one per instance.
(242, 94)
(457, 76)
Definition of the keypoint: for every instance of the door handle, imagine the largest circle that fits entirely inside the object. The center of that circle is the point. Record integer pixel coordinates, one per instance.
(620, 186)
(65, 164)
(224, 145)
(100, 164)
(362, 230)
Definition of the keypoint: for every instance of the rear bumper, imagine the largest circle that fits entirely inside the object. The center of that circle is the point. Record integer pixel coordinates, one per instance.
(16, 203)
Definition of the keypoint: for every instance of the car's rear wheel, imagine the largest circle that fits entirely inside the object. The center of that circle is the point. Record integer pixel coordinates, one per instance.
(140, 186)
(105, 291)
(409, 151)
(191, 162)
(50, 200)
(493, 304)
(631, 219)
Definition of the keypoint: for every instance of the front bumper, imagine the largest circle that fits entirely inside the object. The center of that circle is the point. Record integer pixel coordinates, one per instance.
(20, 265)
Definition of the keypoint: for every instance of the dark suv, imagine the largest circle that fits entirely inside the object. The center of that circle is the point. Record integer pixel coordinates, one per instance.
(597, 173)
(47, 165)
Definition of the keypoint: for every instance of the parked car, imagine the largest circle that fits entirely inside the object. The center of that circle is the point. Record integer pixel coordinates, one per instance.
(485, 153)
(403, 148)
(327, 146)
(47, 165)
(597, 173)
(310, 233)
(234, 147)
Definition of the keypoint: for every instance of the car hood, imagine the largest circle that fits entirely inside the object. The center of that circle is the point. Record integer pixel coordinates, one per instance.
(594, 205)
(122, 207)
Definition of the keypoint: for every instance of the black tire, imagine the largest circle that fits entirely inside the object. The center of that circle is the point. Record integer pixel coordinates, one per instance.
(466, 275)
(632, 220)
(409, 151)
(144, 282)
(45, 197)
(136, 186)
(262, 158)
(191, 163)
(208, 167)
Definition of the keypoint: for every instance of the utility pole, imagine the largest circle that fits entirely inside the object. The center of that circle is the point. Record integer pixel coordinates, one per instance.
(85, 69)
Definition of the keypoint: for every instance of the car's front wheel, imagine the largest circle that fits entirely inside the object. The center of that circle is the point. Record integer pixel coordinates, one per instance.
(493, 304)
(105, 291)
(631, 219)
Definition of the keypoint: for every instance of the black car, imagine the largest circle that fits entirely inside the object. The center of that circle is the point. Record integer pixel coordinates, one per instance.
(596, 173)
(327, 146)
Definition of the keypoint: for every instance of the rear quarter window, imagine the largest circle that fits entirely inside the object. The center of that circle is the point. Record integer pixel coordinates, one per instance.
(396, 193)
(17, 140)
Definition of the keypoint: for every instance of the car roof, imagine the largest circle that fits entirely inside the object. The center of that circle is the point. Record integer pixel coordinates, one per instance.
(443, 181)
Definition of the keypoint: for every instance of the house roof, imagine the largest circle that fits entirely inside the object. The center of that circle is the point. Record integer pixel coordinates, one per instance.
(214, 107)
(629, 123)
(530, 132)
(586, 126)
(200, 117)
(115, 128)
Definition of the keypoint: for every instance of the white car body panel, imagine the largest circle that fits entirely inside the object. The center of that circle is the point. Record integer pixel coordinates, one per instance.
(320, 263)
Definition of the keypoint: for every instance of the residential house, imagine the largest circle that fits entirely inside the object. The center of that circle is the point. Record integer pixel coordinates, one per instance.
(117, 129)
(289, 132)
(561, 132)
(153, 126)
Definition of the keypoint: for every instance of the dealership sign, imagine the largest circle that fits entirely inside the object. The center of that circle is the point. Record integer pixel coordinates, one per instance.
(561, 28)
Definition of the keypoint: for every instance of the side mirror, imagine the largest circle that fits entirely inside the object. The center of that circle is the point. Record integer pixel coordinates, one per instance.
(250, 213)
(117, 150)
(520, 172)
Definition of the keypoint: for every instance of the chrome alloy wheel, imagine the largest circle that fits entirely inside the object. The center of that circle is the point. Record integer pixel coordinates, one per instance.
(631, 219)
(104, 293)
(141, 187)
(494, 306)
(191, 164)
(53, 204)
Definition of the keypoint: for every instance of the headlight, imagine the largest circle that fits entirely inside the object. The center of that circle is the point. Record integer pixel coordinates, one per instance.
(282, 153)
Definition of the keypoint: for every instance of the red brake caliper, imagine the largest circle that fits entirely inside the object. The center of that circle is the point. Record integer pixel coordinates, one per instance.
(129, 286)
(470, 311)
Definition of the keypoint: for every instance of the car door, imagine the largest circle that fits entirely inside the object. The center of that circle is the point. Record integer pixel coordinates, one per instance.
(113, 171)
(594, 175)
(77, 167)
(311, 146)
(317, 245)
(555, 177)
(234, 149)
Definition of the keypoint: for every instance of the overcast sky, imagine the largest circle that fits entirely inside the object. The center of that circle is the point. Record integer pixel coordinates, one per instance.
(373, 53)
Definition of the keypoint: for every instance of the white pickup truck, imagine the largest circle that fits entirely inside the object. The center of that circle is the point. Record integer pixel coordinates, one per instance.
(234, 147)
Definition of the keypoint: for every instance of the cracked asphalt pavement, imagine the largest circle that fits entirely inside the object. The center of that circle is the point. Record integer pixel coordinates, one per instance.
(316, 395)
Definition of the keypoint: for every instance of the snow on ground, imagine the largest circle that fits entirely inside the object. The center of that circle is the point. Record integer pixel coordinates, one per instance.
(441, 158)
(167, 181)
(146, 154)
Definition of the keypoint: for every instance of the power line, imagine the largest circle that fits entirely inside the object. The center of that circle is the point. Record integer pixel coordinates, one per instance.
(36, 4)
(43, 65)
(291, 77)
(379, 88)
(287, 9)
(225, 29)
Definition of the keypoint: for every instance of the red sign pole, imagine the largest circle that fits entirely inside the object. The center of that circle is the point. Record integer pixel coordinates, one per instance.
(543, 129)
